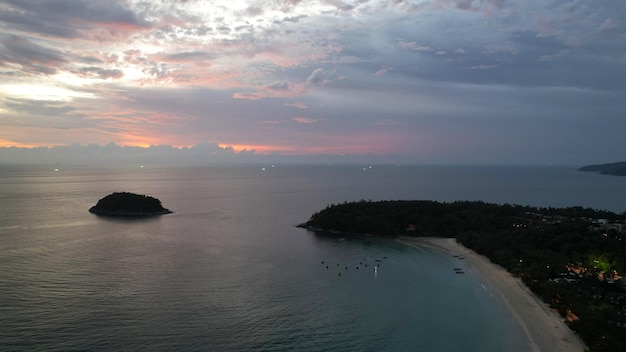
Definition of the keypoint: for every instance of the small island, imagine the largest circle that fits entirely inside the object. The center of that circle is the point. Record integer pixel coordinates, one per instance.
(125, 204)
(615, 169)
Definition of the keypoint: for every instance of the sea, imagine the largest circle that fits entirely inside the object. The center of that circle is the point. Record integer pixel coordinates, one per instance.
(229, 270)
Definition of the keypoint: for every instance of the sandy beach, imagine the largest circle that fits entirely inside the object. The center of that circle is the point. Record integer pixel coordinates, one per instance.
(544, 328)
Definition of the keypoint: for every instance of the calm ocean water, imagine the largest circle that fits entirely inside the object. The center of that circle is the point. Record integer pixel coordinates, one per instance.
(229, 271)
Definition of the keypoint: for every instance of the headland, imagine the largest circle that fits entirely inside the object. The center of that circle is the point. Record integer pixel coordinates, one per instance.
(615, 169)
(570, 261)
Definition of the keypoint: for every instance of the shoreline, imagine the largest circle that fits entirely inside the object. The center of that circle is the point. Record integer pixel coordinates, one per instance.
(545, 329)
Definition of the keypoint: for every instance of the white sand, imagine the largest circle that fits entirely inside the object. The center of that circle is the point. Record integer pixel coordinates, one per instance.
(545, 329)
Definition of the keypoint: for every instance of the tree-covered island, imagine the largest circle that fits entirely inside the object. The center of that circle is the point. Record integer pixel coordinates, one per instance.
(125, 204)
(572, 258)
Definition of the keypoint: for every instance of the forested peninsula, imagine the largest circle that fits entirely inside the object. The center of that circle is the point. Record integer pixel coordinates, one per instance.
(615, 169)
(573, 258)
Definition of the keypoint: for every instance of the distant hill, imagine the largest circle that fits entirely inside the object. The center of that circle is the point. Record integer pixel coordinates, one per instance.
(616, 169)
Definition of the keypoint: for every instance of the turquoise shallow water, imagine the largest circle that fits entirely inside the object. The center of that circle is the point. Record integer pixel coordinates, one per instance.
(229, 271)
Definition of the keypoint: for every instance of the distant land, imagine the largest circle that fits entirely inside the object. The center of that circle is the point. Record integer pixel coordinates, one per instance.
(125, 204)
(615, 169)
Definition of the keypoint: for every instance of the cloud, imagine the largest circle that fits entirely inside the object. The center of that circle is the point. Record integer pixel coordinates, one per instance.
(608, 28)
(484, 67)
(462, 4)
(290, 19)
(271, 122)
(98, 72)
(74, 154)
(287, 5)
(279, 86)
(305, 120)
(387, 122)
(412, 46)
(33, 58)
(189, 56)
(317, 78)
(383, 70)
(487, 7)
(344, 5)
(51, 109)
(68, 18)
(298, 105)
(253, 11)
(174, 72)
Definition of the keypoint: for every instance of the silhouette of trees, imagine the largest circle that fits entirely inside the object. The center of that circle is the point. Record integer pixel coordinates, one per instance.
(128, 204)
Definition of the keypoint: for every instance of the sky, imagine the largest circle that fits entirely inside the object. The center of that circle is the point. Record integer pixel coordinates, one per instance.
(413, 81)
